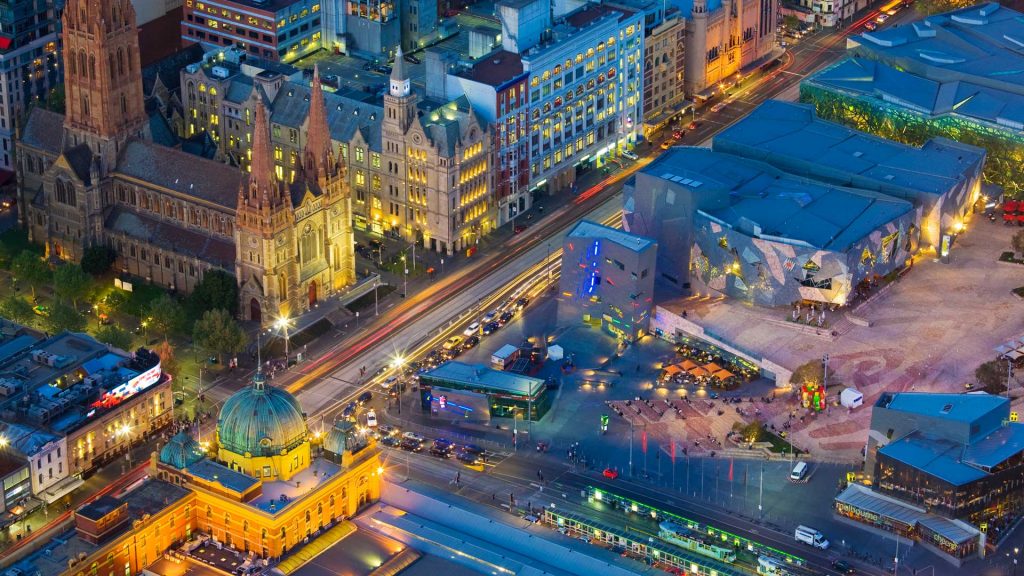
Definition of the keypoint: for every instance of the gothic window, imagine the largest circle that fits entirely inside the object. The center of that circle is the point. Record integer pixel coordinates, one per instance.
(110, 57)
(92, 67)
(81, 62)
(124, 105)
(71, 65)
(120, 62)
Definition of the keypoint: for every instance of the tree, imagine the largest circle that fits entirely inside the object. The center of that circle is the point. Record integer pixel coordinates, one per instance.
(16, 309)
(70, 282)
(929, 7)
(29, 268)
(168, 363)
(752, 431)
(812, 371)
(165, 315)
(1017, 242)
(791, 22)
(218, 333)
(98, 259)
(217, 290)
(63, 317)
(991, 376)
(115, 336)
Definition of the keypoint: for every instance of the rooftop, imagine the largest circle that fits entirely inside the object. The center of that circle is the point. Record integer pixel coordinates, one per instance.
(99, 508)
(279, 494)
(496, 69)
(777, 129)
(775, 204)
(187, 174)
(217, 473)
(870, 79)
(936, 456)
(480, 376)
(965, 408)
(981, 43)
(865, 499)
(589, 229)
(166, 234)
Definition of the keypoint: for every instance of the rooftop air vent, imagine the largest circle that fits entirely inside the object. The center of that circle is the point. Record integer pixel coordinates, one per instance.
(946, 409)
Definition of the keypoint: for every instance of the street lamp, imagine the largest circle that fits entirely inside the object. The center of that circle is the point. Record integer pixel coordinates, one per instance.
(282, 324)
(3, 442)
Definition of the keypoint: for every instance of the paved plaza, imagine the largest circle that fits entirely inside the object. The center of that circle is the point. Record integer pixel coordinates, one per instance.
(928, 333)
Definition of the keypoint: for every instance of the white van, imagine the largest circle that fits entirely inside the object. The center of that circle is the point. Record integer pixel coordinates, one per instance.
(799, 472)
(811, 537)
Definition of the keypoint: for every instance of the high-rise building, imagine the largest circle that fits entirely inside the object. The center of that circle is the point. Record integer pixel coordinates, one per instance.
(29, 64)
(94, 177)
(277, 30)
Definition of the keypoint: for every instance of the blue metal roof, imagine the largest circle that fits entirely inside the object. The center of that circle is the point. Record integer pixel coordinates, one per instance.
(998, 447)
(935, 456)
(686, 6)
(957, 407)
(775, 203)
(480, 376)
(778, 130)
(261, 420)
(589, 229)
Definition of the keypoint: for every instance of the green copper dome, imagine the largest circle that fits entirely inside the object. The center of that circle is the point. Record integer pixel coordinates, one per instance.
(181, 451)
(261, 420)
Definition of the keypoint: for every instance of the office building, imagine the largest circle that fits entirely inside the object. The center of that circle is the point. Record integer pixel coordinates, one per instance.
(726, 41)
(607, 280)
(272, 488)
(417, 167)
(278, 30)
(30, 66)
(953, 75)
(956, 456)
(583, 103)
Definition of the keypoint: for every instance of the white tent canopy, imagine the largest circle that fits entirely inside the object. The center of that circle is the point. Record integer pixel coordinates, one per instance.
(555, 352)
(851, 398)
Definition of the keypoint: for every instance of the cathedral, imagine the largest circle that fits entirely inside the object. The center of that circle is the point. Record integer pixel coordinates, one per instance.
(95, 176)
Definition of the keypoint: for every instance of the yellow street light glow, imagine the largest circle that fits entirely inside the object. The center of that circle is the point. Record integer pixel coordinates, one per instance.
(398, 362)
(3, 441)
(281, 322)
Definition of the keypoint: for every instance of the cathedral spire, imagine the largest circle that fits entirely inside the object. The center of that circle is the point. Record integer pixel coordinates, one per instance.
(261, 174)
(400, 85)
(318, 134)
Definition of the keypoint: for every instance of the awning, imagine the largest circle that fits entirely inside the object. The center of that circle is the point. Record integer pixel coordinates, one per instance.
(672, 369)
(1014, 354)
(688, 365)
(61, 489)
(776, 52)
(723, 374)
(698, 372)
(712, 367)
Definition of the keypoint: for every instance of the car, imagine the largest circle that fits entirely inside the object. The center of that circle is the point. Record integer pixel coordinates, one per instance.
(842, 566)
(678, 134)
(364, 398)
(410, 445)
(506, 317)
(784, 44)
(490, 316)
(522, 303)
(693, 125)
(467, 458)
(667, 144)
(387, 430)
(718, 107)
(473, 449)
(519, 228)
(870, 26)
(412, 436)
(349, 412)
(714, 395)
(472, 329)
(391, 441)
(882, 18)
(443, 443)
(630, 154)
(491, 328)
(371, 419)
(411, 59)
(452, 343)
(389, 382)
(439, 452)
(470, 342)
(610, 473)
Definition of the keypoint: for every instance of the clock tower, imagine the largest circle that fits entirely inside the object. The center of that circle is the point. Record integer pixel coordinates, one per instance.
(265, 235)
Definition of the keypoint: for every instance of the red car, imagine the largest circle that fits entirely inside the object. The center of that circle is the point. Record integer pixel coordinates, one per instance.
(610, 473)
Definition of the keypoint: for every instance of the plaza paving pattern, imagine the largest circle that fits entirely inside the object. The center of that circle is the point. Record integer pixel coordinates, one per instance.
(928, 332)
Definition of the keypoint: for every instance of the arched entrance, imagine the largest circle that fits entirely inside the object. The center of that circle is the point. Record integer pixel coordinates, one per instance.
(312, 293)
(255, 313)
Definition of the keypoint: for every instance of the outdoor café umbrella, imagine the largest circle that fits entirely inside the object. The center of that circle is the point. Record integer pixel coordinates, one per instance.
(723, 375)
(672, 369)
(712, 367)
(698, 372)
(688, 364)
